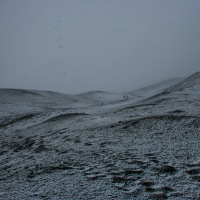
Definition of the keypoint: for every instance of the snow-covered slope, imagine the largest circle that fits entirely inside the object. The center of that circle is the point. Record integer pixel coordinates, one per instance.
(28, 96)
(190, 83)
(100, 98)
(157, 88)
(132, 148)
(182, 97)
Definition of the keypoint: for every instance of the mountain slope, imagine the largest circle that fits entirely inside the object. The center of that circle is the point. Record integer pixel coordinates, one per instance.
(182, 98)
(192, 83)
(158, 87)
(124, 150)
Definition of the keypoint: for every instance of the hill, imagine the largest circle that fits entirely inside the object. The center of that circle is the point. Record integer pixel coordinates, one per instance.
(138, 148)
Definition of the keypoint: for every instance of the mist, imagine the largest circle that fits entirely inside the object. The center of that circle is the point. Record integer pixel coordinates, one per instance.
(84, 45)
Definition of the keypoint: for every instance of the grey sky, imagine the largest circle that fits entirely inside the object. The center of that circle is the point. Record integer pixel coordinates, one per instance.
(82, 45)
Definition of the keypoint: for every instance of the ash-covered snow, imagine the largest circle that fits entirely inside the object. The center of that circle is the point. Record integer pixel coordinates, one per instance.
(55, 146)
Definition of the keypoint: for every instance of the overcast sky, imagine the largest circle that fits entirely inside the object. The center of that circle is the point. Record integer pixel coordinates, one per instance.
(74, 46)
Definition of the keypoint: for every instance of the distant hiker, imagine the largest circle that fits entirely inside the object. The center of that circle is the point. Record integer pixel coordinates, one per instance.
(126, 97)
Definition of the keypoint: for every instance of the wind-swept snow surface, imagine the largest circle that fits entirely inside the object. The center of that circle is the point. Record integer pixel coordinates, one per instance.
(55, 146)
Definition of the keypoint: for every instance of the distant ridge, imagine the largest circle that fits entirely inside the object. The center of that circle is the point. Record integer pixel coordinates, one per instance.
(92, 93)
(18, 92)
(23, 95)
(190, 82)
(154, 89)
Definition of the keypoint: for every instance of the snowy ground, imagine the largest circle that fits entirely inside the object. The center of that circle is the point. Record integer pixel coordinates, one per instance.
(99, 145)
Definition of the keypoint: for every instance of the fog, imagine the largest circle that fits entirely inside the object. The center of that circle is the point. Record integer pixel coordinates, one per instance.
(74, 46)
